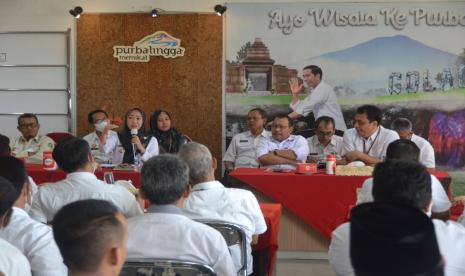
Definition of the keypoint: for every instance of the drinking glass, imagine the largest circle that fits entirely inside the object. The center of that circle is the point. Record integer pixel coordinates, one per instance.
(108, 178)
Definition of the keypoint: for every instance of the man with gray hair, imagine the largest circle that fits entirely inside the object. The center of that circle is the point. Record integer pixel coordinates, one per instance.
(211, 200)
(404, 128)
(164, 232)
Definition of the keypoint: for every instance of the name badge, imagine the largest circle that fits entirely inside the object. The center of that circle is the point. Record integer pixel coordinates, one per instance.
(243, 141)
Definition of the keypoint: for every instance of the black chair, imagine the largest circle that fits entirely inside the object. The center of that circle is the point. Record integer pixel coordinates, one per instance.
(305, 132)
(159, 267)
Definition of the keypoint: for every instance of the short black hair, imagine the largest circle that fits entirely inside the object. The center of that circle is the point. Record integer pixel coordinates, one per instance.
(326, 120)
(71, 154)
(284, 116)
(401, 124)
(84, 230)
(402, 181)
(8, 196)
(91, 114)
(403, 149)
(259, 110)
(164, 179)
(27, 115)
(315, 70)
(13, 169)
(373, 113)
(4, 145)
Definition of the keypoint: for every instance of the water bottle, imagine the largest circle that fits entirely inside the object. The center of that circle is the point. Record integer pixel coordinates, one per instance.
(331, 164)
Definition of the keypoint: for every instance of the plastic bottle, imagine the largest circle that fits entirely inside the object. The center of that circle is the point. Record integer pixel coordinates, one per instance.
(331, 164)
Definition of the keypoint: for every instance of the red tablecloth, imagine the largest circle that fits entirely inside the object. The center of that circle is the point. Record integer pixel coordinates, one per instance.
(40, 176)
(269, 239)
(322, 201)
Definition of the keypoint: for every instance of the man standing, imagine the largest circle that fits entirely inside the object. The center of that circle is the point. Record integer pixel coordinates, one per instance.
(282, 150)
(322, 99)
(324, 141)
(403, 127)
(242, 150)
(368, 140)
(30, 144)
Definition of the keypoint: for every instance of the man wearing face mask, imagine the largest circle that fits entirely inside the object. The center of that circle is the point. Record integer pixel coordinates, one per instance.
(73, 156)
(103, 140)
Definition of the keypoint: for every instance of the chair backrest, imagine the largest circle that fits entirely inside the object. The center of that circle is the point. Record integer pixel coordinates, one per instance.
(162, 267)
(58, 136)
(305, 133)
(233, 234)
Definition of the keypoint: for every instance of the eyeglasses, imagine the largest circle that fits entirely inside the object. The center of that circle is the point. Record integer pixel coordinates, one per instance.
(25, 126)
(322, 133)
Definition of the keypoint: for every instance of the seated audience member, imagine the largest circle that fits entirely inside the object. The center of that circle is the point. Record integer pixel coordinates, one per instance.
(324, 141)
(403, 127)
(4, 145)
(102, 141)
(32, 238)
(164, 232)
(368, 140)
(403, 149)
(242, 150)
(92, 236)
(402, 182)
(12, 261)
(74, 157)
(209, 199)
(30, 145)
(282, 150)
(393, 239)
(169, 138)
(138, 147)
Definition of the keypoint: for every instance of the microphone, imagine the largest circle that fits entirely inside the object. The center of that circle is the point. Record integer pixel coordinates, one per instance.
(134, 131)
(133, 134)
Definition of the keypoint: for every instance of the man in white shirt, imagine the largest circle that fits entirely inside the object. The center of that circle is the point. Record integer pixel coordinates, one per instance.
(242, 150)
(403, 149)
(164, 232)
(32, 238)
(12, 261)
(324, 141)
(102, 141)
(209, 199)
(404, 182)
(92, 236)
(368, 140)
(30, 145)
(282, 150)
(74, 157)
(322, 99)
(403, 127)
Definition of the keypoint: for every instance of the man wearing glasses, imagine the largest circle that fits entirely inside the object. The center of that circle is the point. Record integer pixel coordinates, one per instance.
(30, 144)
(324, 141)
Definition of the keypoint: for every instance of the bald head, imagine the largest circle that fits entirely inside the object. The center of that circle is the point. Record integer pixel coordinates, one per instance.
(200, 162)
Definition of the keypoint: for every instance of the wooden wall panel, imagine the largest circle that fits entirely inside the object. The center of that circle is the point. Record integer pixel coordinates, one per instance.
(189, 87)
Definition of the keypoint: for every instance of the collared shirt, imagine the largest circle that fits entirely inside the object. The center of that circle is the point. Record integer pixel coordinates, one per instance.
(12, 261)
(211, 200)
(20, 147)
(426, 151)
(77, 186)
(35, 240)
(296, 143)
(441, 202)
(163, 233)
(450, 236)
(334, 146)
(102, 153)
(376, 145)
(323, 101)
(243, 148)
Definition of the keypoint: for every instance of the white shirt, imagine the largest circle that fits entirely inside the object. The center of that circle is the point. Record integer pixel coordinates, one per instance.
(440, 200)
(168, 234)
(296, 143)
(426, 151)
(102, 153)
(375, 147)
(334, 146)
(20, 147)
(151, 150)
(211, 200)
(450, 236)
(77, 186)
(243, 148)
(35, 240)
(12, 261)
(322, 100)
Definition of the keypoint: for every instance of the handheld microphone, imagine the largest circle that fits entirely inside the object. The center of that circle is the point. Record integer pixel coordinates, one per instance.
(134, 133)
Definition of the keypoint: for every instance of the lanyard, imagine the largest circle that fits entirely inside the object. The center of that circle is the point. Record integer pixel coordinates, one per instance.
(374, 141)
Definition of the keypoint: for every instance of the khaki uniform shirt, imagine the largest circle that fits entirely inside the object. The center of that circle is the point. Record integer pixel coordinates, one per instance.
(37, 145)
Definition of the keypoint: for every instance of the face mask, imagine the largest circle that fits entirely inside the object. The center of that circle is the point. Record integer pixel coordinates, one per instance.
(100, 126)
